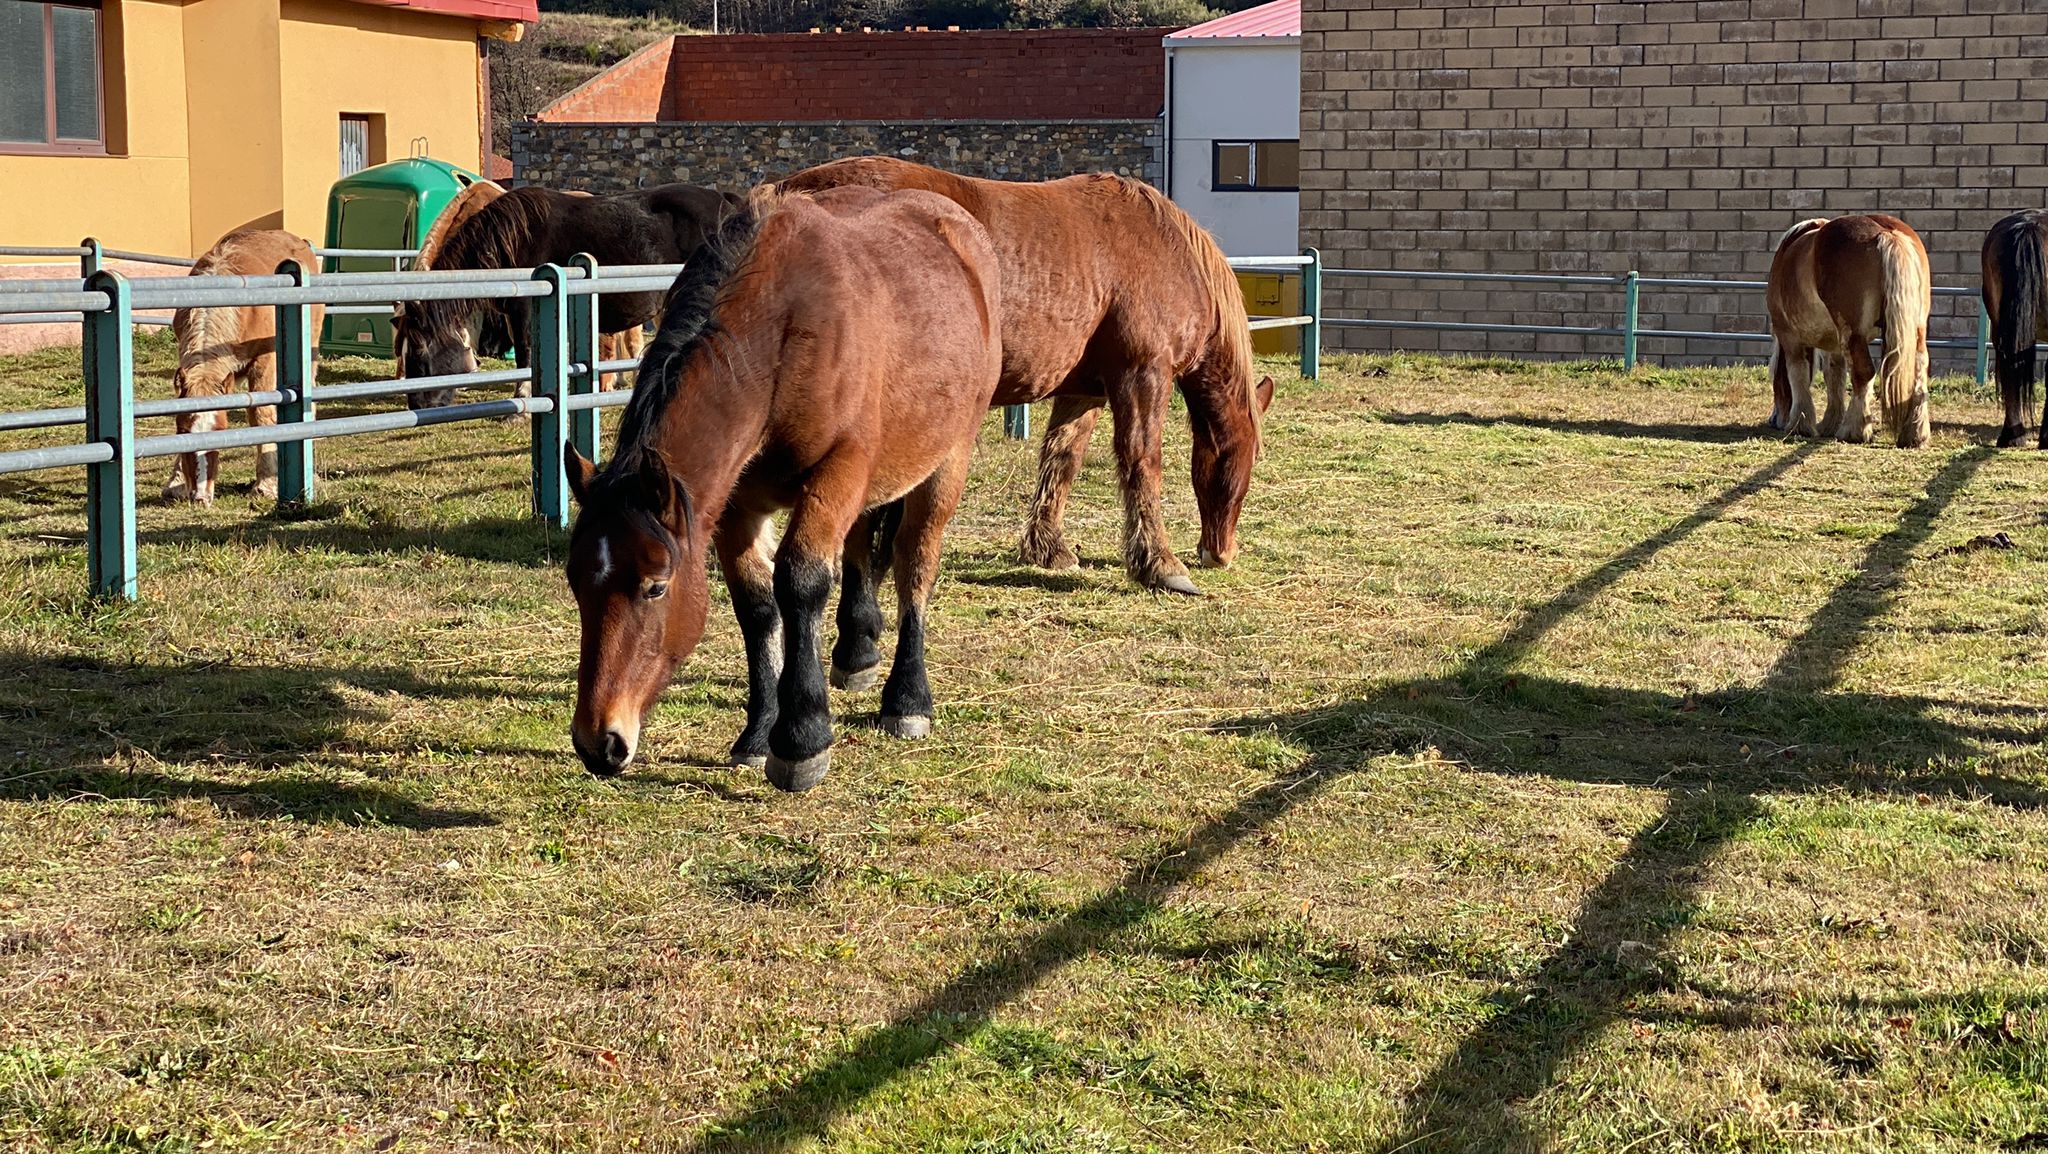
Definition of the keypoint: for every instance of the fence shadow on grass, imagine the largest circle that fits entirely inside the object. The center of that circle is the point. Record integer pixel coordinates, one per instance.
(1707, 433)
(495, 540)
(69, 724)
(1866, 743)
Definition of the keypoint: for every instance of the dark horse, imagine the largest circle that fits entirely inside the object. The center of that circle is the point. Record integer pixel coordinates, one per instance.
(2016, 300)
(827, 355)
(534, 226)
(1110, 292)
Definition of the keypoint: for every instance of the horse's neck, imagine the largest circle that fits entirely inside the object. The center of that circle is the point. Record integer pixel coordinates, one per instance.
(717, 422)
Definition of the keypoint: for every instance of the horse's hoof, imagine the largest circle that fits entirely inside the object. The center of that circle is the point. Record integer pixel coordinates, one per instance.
(907, 728)
(859, 681)
(1178, 583)
(267, 490)
(1210, 560)
(2012, 435)
(797, 776)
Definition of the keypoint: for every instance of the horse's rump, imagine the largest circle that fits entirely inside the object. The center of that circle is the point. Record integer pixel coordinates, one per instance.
(216, 343)
(2016, 298)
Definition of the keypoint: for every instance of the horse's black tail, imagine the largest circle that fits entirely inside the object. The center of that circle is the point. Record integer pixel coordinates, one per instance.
(2020, 267)
(686, 321)
(883, 525)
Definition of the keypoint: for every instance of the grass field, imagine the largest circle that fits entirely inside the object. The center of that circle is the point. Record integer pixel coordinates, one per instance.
(1566, 764)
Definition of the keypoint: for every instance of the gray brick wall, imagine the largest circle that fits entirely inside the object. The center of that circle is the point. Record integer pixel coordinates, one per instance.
(1676, 138)
(614, 157)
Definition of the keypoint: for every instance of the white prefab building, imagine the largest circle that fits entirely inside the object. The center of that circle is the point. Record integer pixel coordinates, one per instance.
(1233, 126)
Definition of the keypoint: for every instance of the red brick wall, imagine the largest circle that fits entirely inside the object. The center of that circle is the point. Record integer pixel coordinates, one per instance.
(628, 91)
(1077, 74)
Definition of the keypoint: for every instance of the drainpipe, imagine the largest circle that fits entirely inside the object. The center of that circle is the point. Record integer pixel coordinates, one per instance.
(1166, 145)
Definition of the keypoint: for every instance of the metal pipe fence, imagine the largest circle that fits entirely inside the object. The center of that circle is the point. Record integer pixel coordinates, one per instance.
(564, 373)
(1630, 330)
(564, 370)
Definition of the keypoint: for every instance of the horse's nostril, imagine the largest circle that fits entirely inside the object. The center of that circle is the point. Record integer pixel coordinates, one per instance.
(616, 751)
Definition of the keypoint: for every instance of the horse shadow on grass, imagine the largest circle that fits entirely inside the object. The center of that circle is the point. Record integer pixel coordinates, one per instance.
(1660, 431)
(77, 728)
(1792, 733)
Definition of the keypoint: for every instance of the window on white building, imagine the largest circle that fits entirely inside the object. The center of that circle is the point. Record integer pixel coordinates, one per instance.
(1256, 166)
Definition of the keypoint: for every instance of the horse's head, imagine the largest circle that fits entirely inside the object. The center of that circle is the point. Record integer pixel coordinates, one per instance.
(1226, 446)
(431, 339)
(640, 591)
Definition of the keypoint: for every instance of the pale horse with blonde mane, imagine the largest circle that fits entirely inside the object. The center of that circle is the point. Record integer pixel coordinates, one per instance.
(1835, 286)
(232, 348)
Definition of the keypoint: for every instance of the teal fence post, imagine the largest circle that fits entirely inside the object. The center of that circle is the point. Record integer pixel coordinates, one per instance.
(583, 345)
(295, 339)
(1983, 342)
(94, 259)
(548, 346)
(1632, 301)
(1017, 422)
(1312, 305)
(109, 361)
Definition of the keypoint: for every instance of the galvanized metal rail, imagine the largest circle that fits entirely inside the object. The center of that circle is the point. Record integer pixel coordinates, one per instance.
(563, 374)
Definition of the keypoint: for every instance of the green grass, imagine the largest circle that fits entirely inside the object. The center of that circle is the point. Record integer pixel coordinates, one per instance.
(1566, 764)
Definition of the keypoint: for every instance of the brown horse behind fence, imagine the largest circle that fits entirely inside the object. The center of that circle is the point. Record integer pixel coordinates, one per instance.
(493, 330)
(825, 355)
(232, 349)
(1835, 286)
(1110, 292)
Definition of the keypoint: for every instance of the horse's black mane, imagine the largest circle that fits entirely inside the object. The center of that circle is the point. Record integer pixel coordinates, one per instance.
(687, 326)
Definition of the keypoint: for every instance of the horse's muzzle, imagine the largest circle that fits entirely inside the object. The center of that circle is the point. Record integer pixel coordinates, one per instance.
(606, 756)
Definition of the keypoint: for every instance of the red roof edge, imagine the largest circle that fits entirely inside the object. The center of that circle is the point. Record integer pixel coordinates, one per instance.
(521, 11)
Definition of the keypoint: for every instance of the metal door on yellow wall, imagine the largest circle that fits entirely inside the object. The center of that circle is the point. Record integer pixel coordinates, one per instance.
(1273, 294)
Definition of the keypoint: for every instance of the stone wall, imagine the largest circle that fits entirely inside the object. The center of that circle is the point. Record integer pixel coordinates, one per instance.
(615, 157)
(1676, 138)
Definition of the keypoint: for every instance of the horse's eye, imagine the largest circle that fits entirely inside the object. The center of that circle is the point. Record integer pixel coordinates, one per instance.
(656, 590)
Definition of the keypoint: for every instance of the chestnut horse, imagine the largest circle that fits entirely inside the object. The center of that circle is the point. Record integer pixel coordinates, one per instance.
(825, 355)
(1110, 291)
(1835, 285)
(534, 226)
(2016, 300)
(492, 332)
(232, 349)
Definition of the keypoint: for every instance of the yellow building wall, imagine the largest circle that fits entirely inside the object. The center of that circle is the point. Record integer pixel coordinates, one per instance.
(227, 114)
(418, 71)
(234, 116)
(139, 200)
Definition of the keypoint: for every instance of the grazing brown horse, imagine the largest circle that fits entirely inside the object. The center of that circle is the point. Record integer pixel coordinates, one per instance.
(528, 227)
(492, 332)
(1835, 285)
(1111, 292)
(232, 349)
(2016, 300)
(825, 355)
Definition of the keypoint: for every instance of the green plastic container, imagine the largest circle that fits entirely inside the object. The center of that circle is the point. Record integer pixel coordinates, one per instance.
(390, 206)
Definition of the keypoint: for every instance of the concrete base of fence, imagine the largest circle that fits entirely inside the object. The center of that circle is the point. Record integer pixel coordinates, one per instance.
(28, 338)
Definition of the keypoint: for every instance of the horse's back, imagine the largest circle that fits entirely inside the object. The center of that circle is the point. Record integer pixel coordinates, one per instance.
(238, 334)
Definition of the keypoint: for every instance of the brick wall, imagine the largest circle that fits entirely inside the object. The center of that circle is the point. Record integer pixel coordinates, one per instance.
(1062, 74)
(1677, 138)
(615, 157)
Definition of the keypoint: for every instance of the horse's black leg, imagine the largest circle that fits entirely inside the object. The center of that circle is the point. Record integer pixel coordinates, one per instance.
(800, 741)
(746, 555)
(907, 695)
(855, 656)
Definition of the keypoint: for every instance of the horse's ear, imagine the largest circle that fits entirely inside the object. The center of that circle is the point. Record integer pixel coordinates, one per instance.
(1262, 394)
(660, 483)
(580, 472)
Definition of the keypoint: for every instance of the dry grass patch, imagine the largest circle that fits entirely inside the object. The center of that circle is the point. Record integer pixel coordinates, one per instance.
(1567, 764)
